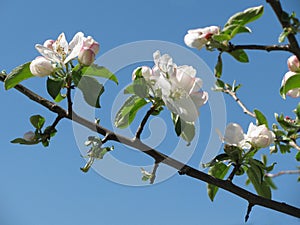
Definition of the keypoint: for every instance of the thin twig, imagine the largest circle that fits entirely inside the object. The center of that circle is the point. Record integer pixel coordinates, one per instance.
(231, 175)
(144, 121)
(272, 175)
(239, 102)
(160, 157)
(69, 98)
(276, 6)
(267, 48)
(152, 179)
(249, 208)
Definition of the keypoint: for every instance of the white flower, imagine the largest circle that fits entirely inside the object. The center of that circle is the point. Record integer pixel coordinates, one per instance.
(60, 51)
(197, 38)
(294, 93)
(29, 136)
(234, 135)
(88, 51)
(41, 67)
(177, 86)
(293, 64)
(260, 136)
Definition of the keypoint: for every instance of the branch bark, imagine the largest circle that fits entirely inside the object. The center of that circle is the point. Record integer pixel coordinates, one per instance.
(160, 157)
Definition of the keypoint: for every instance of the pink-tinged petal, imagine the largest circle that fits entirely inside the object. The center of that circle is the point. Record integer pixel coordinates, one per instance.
(294, 93)
(193, 40)
(49, 43)
(75, 47)
(48, 53)
(293, 64)
(41, 67)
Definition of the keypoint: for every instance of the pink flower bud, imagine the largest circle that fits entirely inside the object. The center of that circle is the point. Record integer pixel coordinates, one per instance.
(293, 64)
(29, 136)
(41, 67)
(86, 56)
(197, 38)
(90, 43)
(49, 43)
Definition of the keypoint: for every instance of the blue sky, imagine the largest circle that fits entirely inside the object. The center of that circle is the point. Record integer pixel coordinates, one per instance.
(44, 186)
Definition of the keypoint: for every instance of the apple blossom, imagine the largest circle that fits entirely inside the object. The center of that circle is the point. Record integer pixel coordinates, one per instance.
(29, 136)
(88, 51)
(293, 64)
(177, 86)
(41, 67)
(234, 135)
(197, 38)
(260, 136)
(294, 93)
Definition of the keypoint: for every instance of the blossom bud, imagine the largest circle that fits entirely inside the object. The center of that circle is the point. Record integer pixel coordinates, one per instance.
(294, 93)
(146, 72)
(41, 67)
(29, 136)
(197, 38)
(260, 136)
(293, 64)
(86, 56)
(234, 134)
(49, 43)
(90, 43)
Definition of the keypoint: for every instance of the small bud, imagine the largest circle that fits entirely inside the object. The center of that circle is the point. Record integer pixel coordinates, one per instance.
(29, 136)
(293, 64)
(260, 136)
(146, 72)
(86, 57)
(41, 67)
(197, 38)
(90, 43)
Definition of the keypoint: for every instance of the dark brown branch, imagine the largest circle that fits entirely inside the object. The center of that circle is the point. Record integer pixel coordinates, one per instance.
(144, 121)
(276, 6)
(160, 157)
(249, 208)
(69, 98)
(152, 179)
(267, 48)
(231, 175)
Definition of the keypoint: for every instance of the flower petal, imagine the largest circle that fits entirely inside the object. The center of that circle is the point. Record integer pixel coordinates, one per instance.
(75, 46)
(48, 53)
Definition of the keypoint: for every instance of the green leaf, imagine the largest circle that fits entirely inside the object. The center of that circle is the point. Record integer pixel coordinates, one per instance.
(297, 111)
(128, 111)
(260, 118)
(98, 71)
(283, 35)
(235, 29)
(217, 159)
(221, 37)
(140, 87)
(37, 121)
(261, 187)
(247, 16)
(18, 74)
(298, 156)
(220, 84)
(291, 83)
(218, 67)
(184, 129)
(54, 87)
(240, 55)
(218, 171)
(91, 90)
(270, 183)
(24, 142)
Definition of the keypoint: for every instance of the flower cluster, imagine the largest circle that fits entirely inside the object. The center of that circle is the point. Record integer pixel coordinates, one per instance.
(197, 38)
(294, 68)
(56, 54)
(177, 86)
(257, 136)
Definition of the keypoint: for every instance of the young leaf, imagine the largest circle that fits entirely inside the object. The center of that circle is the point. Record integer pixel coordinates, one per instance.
(128, 111)
(247, 16)
(298, 156)
(37, 121)
(217, 159)
(140, 87)
(91, 90)
(24, 142)
(54, 87)
(18, 74)
(261, 187)
(184, 129)
(219, 171)
(261, 119)
(221, 37)
(291, 83)
(98, 71)
(297, 111)
(235, 29)
(240, 55)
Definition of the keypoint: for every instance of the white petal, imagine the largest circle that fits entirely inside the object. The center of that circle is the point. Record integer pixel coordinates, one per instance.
(48, 53)
(234, 134)
(75, 46)
(156, 56)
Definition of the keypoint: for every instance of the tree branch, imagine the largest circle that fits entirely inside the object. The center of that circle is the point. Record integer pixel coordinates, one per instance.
(267, 48)
(152, 179)
(144, 121)
(276, 6)
(160, 157)
(239, 102)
